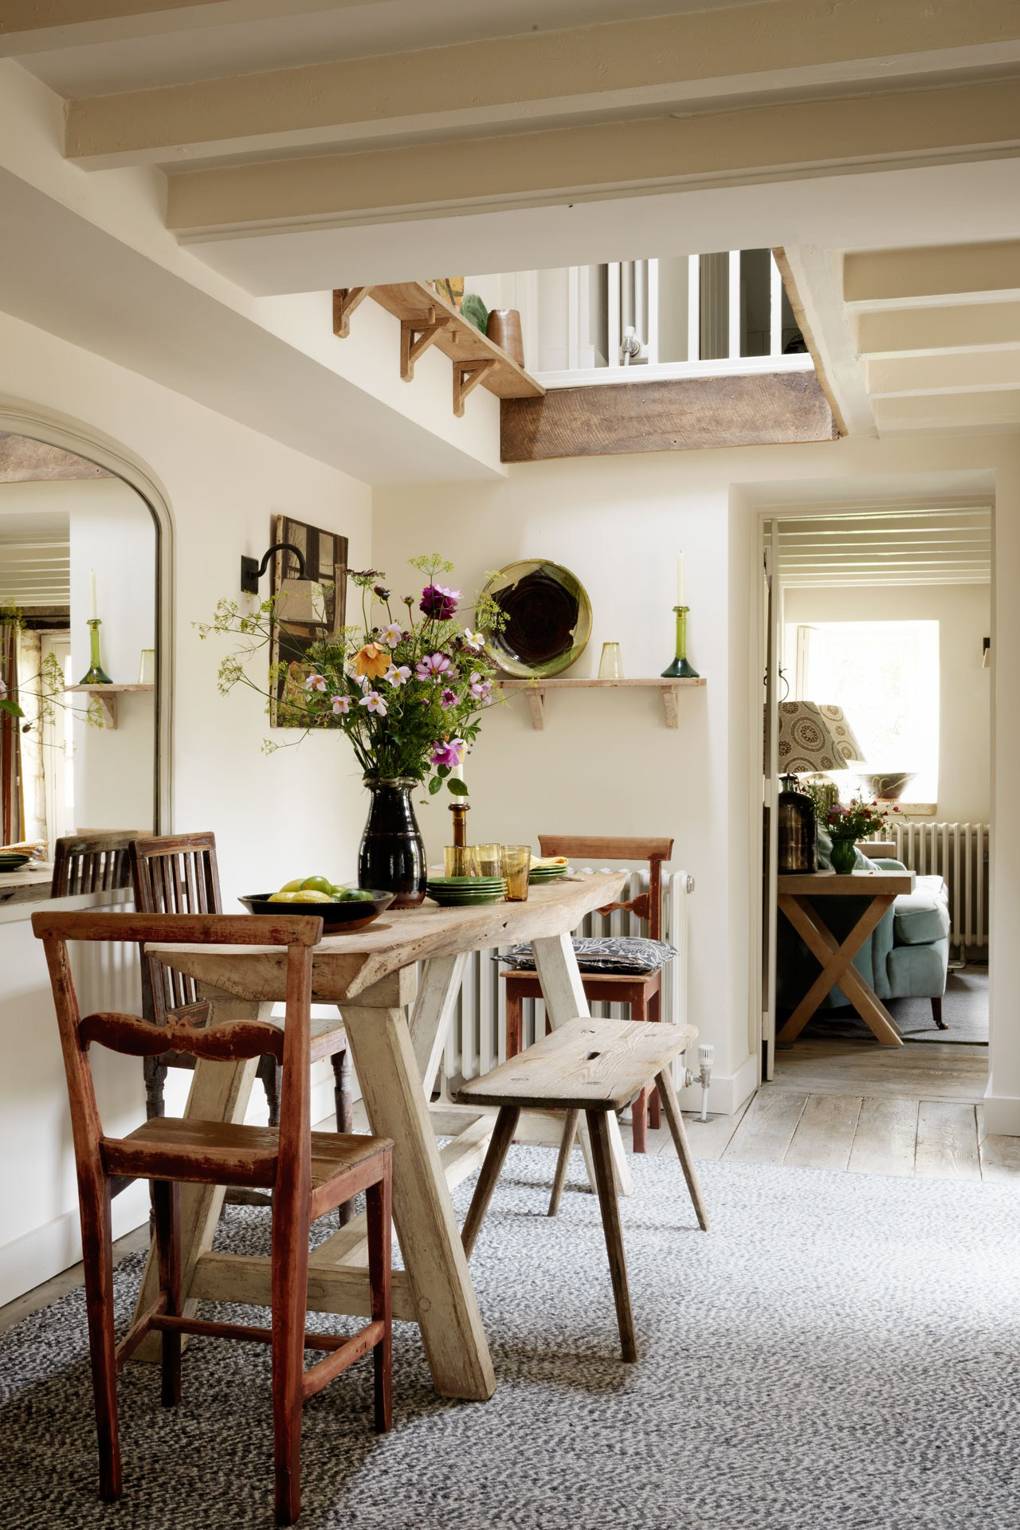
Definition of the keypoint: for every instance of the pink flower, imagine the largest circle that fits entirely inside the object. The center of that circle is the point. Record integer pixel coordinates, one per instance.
(431, 667)
(341, 706)
(397, 674)
(438, 602)
(392, 634)
(374, 702)
(316, 683)
(448, 698)
(449, 753)
(479, 687)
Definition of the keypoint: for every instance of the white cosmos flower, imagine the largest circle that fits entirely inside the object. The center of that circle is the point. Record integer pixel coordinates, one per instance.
(374, 702)
(315, 683)
(398, 674)
(341, 706)
(392, 634)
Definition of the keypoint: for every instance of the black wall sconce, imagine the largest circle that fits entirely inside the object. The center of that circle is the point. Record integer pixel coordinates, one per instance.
(300, 601)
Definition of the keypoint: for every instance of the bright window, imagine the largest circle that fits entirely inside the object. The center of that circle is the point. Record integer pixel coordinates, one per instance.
(885, 676)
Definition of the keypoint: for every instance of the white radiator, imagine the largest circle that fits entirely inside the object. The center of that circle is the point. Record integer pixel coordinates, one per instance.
(958, 852)
(477, 1040)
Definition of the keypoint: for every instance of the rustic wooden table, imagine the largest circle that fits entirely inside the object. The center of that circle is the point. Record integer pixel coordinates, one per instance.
(797, 896)
(397, 1025)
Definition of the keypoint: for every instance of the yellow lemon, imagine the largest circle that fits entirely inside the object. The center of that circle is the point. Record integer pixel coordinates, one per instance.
(283, 896)
(294, 886)
(310, 895)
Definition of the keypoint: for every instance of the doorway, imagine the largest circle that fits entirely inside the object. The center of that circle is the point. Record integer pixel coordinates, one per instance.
(882, 615)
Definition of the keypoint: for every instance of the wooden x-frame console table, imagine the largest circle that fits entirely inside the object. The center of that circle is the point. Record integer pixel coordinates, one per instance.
(798, 900)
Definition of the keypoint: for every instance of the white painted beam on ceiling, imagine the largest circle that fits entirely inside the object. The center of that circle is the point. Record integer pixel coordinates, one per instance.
(609, 159)
(28, 26)
(949, 274)
(938, 331)
(963, 373)
(949, 412)
(638, 64)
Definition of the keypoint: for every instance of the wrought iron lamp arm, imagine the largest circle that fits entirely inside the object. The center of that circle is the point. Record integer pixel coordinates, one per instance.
(252, 571)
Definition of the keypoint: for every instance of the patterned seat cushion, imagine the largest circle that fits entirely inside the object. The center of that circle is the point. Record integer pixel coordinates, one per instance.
(631, 954)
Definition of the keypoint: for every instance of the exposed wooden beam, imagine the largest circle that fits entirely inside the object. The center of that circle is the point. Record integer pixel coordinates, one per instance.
(938, 274)
(627, 67)
(510, 170)
(938, 331)
(680, 415)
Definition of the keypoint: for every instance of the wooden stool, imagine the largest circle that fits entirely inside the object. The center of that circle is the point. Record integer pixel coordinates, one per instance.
(640, 992)
(593, 1066)
(309, 1173)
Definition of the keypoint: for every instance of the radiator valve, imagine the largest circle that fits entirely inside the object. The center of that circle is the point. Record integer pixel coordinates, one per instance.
(706, 1053)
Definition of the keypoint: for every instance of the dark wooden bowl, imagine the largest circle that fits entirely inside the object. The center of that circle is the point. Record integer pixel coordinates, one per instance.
(337, 918)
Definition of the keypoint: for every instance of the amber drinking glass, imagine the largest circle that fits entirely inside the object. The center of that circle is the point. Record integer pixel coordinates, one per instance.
(516, 866)
(460, 861)
(490, 860)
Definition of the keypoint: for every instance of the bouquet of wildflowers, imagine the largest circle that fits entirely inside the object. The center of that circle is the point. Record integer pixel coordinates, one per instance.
(408, 686)
(856, 819)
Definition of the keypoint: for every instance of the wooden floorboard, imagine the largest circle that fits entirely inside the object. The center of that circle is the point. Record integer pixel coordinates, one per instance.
(767, 1129)
(886, 1137)
(825, 1132)
(1000, 1160)
(930, 1072)
(708, 1139)
(947, 1141)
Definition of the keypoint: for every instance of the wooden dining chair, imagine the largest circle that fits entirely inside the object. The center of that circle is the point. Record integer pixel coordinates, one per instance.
(92, 861)
(642, 993)
(179, 874)
(308, 1172)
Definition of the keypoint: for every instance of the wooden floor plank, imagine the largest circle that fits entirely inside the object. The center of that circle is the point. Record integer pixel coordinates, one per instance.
(767, 1127)
(947, 1141)
(886, 1137)
(825, 1132)
(1000, 1160)
(931, 1072)
(708, 1139)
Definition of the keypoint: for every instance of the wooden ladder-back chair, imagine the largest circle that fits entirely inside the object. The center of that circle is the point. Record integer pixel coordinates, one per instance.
(308, 1172)
(178, 874)
(641, 992)
(93, 861)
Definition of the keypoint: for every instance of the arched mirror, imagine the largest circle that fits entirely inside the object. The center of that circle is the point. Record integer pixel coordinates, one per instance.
(79, 672)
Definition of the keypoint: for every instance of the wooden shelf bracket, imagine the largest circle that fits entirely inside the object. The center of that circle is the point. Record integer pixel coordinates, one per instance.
(466, 376)
(416, 335)
(345, 301)
(534, 692)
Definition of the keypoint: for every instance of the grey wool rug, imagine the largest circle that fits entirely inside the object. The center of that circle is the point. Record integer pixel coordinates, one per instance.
(839, 1352)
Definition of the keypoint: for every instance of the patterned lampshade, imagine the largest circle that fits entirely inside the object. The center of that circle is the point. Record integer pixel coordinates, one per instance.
(814, 737)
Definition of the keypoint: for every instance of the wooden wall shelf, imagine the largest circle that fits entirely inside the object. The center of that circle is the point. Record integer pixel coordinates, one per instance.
(426, 319)
(535, 691)
(107, 696)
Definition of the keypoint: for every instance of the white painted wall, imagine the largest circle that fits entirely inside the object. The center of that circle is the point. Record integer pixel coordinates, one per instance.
(272, 816)
(605, 763)
(113, 534)
(963, 613)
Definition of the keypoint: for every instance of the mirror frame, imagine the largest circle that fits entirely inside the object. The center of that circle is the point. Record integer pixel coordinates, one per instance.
(20, 417)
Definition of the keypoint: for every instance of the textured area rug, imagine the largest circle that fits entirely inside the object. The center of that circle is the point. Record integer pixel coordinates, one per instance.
(839, 1352)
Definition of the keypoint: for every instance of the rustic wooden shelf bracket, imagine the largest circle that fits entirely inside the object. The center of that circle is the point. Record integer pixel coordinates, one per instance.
(466, 376)
(534, 692)
(416, 335)
(345, 301)
(105, 696)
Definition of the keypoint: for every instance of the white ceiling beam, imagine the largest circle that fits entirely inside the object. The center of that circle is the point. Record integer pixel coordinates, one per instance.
(940, 274)
(35, 26)
(938, 331)
(559, 166)
(642, 64)
(964, 373)
(949, 412)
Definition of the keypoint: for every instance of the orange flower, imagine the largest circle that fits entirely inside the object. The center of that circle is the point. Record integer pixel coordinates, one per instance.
(372, 660)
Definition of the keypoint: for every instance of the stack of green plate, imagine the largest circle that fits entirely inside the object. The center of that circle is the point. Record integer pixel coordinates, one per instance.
(541, 873)
(13, 860)
(452, 892)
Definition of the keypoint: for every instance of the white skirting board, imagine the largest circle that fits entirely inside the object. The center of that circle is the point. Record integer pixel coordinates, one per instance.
(1000, 1116)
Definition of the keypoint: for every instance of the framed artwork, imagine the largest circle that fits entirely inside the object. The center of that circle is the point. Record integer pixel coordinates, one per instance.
(325, 555)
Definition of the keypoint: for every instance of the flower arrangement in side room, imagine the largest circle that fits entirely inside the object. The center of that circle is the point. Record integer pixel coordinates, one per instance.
(408, 687)
(847, 822)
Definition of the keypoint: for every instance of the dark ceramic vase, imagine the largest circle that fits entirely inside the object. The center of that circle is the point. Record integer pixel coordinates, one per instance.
(843, 856)
(392, 853)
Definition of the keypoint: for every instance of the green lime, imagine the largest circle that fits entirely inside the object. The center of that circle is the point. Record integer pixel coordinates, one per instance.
(317, 884)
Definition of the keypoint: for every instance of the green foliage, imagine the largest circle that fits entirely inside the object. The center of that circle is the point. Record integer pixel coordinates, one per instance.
(408, 689)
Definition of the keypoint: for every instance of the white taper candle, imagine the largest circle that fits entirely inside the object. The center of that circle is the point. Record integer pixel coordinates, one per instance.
(680, 581)
(92, 590)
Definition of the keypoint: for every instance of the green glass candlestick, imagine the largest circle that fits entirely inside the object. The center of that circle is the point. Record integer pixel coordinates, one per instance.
(95, 674)
(680, 669)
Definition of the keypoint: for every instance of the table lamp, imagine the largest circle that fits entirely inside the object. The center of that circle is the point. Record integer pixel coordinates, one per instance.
(812, 738)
